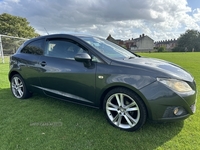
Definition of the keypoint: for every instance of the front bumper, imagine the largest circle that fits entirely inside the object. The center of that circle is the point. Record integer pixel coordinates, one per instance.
(163, 104)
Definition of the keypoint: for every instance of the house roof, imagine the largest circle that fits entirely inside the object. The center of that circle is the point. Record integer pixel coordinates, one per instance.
(110, 38)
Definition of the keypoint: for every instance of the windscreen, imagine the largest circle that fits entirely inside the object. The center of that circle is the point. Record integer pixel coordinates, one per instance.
(108, 48)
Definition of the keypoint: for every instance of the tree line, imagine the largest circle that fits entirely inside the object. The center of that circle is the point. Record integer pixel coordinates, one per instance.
(188, 42)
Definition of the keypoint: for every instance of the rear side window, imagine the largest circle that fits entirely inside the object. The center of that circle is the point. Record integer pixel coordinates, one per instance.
(34, 48)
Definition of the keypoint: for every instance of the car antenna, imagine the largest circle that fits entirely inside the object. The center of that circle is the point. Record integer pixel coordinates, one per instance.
(46, 31)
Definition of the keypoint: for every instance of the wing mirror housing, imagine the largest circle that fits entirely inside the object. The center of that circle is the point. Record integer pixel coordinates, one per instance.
(85, 58)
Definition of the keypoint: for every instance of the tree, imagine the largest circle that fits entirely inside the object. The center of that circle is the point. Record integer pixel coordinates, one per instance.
(161, 49)
(189, 41)
(16, 26)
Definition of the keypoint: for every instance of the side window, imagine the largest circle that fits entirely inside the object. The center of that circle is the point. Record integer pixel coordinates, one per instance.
(34, 47)
(62, 48)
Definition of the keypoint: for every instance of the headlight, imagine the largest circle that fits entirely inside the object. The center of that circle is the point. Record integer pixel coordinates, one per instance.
(177, 85)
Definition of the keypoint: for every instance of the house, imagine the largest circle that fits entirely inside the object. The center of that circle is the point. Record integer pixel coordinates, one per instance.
(111, 39)
(118, 41)
(168, 44)
(142, 44)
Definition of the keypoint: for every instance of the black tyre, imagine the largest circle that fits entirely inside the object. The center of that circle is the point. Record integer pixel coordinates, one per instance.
(124, 109)
(18, 87)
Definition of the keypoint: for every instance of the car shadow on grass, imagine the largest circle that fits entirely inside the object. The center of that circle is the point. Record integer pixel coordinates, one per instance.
(5, 93)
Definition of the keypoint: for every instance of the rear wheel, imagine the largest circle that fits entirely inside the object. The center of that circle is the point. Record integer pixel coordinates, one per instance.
(18, 87)
(124, 109)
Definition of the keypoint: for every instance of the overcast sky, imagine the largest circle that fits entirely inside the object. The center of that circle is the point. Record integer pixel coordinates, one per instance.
(123, 19)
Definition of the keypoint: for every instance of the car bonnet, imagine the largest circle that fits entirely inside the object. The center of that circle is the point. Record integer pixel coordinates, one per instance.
(163, 66)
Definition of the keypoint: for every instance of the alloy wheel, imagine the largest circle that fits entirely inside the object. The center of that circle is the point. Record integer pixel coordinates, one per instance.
(17, 87)
(122, 110)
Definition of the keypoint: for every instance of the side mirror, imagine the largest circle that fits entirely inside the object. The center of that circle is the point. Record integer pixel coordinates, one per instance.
(83, 57)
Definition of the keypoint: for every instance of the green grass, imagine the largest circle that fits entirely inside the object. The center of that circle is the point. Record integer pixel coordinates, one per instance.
(45, 123)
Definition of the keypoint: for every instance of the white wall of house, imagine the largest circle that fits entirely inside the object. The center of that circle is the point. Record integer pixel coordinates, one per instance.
(145, 43)
(141, 44)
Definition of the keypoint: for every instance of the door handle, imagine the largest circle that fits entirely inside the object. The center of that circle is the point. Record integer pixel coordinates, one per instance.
(43, 63)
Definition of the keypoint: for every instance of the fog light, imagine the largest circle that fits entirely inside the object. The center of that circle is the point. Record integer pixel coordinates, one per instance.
(178, 111)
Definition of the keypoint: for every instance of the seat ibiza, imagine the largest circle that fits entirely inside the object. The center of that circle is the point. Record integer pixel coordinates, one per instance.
(95, 72)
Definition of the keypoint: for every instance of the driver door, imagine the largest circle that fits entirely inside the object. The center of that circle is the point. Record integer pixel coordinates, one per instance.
(63, 77)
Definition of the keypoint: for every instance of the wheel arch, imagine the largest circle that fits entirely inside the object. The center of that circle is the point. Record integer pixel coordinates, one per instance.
(12, 74)
(134, 90)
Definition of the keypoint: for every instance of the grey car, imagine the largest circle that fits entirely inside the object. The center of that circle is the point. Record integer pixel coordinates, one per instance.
(95, 72)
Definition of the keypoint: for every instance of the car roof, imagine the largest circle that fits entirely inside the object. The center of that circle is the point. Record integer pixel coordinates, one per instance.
(58, 35)
(63, 35)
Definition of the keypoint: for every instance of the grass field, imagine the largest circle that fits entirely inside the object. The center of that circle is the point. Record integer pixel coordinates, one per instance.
(42, 123)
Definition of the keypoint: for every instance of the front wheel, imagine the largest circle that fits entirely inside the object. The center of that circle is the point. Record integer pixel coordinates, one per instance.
(18, 87)
(124, 109)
